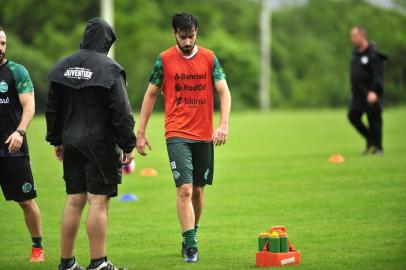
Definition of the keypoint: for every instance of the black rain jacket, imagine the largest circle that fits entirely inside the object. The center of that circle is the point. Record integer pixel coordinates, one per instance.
(87, 108)
(366, 73)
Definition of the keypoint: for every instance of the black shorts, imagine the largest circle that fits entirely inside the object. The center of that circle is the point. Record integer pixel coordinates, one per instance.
(82, 176)
(16, 179)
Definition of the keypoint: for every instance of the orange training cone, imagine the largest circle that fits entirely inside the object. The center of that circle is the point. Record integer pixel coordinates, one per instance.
(337, 158)
(148, 172)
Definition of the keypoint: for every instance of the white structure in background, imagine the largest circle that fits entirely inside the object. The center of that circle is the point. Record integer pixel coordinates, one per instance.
(265, 57)
(277, 4)
(107, 13)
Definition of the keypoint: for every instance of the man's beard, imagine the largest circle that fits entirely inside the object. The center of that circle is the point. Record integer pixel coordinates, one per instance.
(2, 57)
(187, 50)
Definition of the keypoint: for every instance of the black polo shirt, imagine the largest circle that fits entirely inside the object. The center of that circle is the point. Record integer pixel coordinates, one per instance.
(14, 80)
(366, 73)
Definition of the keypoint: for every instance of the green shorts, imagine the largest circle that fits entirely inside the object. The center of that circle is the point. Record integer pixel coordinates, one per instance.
(191, 161)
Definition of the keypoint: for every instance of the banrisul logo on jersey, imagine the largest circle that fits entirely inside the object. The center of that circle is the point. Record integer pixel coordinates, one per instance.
(190, 86)
(184, 76)
(3, 87)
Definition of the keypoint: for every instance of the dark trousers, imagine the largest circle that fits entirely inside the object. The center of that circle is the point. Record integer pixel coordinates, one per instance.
(373, 132)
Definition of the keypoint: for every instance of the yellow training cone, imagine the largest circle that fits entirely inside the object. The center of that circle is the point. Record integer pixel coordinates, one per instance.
(148, 172)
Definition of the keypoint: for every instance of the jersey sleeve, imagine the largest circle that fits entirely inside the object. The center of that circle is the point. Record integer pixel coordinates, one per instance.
(157, 75)
(23, 80)
(218, 72)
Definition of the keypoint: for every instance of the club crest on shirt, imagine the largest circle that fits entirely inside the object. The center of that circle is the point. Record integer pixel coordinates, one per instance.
(27, 187)
(206, 174)
(364, 60)
(176, 174)
(3, 87)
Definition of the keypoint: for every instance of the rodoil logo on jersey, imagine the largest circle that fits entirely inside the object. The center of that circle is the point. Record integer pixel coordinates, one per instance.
(3, 87)
(78, 73)
(187, 86)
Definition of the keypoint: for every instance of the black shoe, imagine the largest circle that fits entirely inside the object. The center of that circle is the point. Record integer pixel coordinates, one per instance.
(75, 266)
(106, 266)
(183, 250)
(378, 152)
(192, 255)
(369, 150)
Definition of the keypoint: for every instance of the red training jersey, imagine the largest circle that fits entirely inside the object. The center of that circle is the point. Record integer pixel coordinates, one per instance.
(188, 94)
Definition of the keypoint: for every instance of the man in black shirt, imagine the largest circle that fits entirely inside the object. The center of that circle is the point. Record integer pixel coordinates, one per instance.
(367, 90)
(17, 108)
(91, 126)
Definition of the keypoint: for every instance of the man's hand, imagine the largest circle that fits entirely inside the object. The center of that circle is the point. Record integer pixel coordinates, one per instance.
(15, 140)
(58, 152)
(141, 142)
(220, 134)
(372, 97)
(127, 158)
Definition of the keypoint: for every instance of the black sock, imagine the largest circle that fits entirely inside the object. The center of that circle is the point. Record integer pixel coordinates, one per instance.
(37, 242)
(67, 263)
(94, 263)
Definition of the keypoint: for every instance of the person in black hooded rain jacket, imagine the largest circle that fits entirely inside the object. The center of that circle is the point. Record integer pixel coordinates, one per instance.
(90, 124)
(367, 90)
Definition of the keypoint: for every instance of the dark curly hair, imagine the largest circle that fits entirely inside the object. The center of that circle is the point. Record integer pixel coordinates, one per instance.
(184, 22)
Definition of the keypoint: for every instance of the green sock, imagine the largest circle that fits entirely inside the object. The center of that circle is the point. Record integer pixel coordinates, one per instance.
(196, 228)
(189, 238)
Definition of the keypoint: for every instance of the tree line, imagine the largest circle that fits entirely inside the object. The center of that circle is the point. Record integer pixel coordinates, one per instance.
(310, 44)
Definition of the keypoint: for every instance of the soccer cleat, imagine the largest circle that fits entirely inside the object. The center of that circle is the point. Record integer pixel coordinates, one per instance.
(369, 150)
(192, 255)
(106, 266)
(377, 152)
(37, 255)
(75, 266)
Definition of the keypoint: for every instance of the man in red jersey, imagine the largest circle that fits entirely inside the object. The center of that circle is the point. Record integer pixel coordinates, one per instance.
(188, 74)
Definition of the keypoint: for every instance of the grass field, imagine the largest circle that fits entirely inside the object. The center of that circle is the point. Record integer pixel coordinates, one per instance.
(274, 170)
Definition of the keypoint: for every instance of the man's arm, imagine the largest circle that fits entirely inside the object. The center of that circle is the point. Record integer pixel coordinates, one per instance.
(53, 116)
(146, 111)
(376, 68)
(220, 134)
(54, 120)
(15, 140)
(155, 82)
